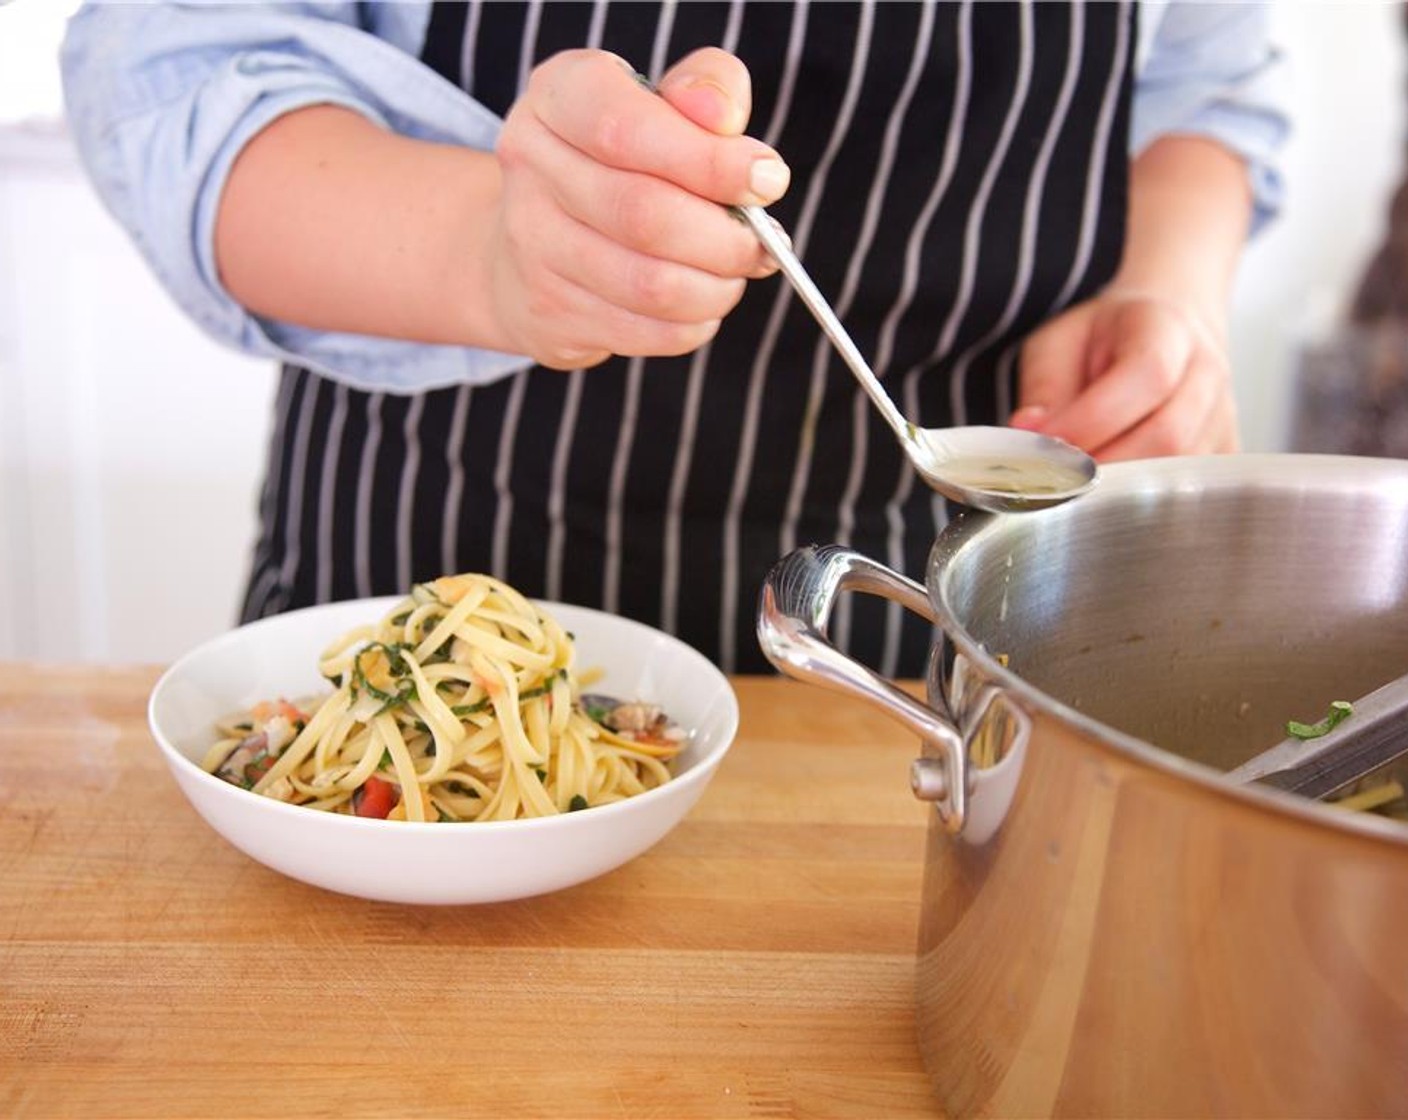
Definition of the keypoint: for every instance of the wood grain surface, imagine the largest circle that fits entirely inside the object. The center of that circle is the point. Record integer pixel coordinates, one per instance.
(759, 961)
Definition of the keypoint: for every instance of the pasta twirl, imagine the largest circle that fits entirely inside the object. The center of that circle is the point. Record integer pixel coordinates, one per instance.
(463, 693)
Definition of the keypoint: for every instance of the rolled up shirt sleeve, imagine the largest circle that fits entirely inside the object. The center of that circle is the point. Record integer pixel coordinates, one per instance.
(1213, 69)
(162, 98)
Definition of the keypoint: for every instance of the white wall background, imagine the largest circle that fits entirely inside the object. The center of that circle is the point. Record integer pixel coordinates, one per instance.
(130, 445)
(1349, 67)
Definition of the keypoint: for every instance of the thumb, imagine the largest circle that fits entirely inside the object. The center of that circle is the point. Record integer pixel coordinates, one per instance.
(1053, 365)
(712, 88)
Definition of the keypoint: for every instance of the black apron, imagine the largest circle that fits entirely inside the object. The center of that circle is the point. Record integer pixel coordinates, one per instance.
(959, 174)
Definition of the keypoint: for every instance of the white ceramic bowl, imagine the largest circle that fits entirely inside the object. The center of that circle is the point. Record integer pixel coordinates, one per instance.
(399, 861)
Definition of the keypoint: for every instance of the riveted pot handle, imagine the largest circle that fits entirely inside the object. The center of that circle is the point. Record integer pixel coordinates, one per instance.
(793, 611)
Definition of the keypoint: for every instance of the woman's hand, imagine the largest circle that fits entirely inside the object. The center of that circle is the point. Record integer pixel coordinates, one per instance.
(595, 229)
(1128, 375)
(608, 235)
(1141, 369)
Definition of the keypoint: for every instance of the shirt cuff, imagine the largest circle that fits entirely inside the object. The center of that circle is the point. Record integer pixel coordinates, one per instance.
(361, 361)
(163, 100)
(1255, 138)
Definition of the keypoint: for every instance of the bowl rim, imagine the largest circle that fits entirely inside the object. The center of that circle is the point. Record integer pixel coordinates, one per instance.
(700, 770)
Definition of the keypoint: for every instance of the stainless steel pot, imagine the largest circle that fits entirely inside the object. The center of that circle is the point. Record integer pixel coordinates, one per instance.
(1109, 928)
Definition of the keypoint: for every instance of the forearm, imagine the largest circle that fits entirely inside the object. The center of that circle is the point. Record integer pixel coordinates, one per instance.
(1190, 209)
(329, 221)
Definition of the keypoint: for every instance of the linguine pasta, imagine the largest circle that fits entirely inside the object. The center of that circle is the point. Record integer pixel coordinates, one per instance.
(464, 693)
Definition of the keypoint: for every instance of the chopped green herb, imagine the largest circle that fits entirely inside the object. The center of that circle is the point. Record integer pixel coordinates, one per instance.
(1340, 710)
(396, 663)
(485, 704)
(385, 763)
(577, 803)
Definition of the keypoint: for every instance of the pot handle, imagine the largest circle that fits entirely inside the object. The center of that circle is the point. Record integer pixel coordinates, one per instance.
(793, 610)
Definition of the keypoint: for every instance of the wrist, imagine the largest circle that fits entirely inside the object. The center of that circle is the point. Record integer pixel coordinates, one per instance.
(1189, 211)
(1207, 317)
(465, 288)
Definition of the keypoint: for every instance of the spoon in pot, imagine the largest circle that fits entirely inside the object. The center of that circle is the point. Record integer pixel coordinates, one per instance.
(999, 469)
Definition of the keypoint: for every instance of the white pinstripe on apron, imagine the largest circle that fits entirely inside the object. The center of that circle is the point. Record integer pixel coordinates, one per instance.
(959, 172)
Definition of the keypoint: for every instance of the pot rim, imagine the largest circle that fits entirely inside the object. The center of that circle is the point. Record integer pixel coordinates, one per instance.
(1208, 473)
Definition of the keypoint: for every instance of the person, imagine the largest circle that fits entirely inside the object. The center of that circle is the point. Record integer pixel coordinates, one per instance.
(521, 334)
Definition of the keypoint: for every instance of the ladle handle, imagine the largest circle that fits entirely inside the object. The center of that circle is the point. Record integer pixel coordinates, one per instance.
(767, 231)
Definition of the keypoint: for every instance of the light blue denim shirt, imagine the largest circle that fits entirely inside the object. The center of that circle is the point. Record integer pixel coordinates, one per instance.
(161, 98)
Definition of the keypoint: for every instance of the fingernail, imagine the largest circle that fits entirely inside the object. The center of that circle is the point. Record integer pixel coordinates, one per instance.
(782, 233)
(768, 178)
(1029, 417)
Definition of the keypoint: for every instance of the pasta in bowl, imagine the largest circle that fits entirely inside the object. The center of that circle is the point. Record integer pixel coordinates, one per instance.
(472, 698)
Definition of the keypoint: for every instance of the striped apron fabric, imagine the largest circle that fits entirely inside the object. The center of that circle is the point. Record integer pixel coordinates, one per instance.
(959, 174)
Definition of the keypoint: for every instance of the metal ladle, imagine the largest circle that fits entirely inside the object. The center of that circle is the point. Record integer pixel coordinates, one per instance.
(999, 469)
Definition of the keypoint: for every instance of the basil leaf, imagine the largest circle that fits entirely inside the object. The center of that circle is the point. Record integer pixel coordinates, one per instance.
(1340, 710)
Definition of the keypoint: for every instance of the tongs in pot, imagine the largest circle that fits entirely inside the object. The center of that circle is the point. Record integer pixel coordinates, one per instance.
(1374, 734)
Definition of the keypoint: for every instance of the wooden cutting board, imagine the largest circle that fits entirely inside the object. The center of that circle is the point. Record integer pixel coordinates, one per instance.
(758, 962)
